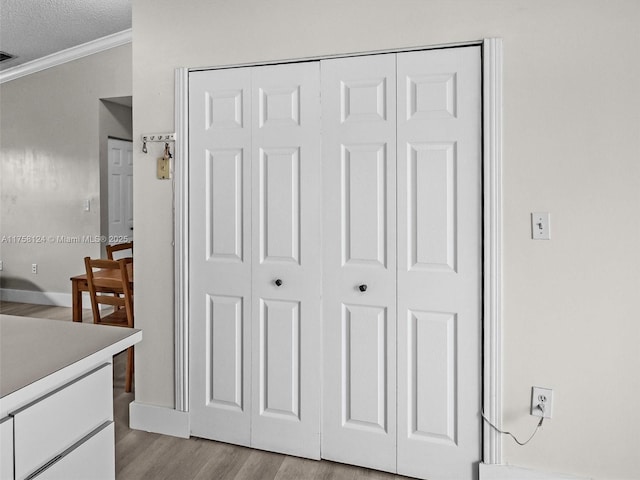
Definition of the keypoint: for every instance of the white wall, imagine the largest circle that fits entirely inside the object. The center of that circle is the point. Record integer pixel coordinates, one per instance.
(571, 147)
(50, 137)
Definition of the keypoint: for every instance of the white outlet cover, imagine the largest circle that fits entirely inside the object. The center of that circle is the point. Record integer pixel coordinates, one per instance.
(539, 394)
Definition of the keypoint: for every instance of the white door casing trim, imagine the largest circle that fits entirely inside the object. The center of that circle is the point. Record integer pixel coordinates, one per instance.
(492, 240)
(180, 169)
(492, 244)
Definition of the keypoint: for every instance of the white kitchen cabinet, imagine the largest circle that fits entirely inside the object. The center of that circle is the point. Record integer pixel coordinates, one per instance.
(93, 458)
(51, 425)
(56, 398)
(6, 449)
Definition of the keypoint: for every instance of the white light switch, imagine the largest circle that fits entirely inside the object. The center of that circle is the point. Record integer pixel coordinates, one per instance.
(540, 226)
(87, 205)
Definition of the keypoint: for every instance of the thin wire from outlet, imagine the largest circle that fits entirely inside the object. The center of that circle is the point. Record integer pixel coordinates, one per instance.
(511, 434)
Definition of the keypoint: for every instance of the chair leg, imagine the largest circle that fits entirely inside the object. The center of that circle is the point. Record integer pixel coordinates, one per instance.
(129, 375)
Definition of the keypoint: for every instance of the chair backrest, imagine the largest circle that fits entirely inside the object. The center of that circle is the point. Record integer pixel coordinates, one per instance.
(108, 282)
(119, 247)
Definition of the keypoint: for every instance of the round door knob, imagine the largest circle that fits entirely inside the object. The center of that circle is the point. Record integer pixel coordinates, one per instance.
(362, 288)
(278, 282)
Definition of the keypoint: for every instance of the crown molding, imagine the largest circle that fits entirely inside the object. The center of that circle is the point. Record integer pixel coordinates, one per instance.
(64, 56)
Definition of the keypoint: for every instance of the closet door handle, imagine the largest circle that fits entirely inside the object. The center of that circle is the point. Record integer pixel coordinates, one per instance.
(363, 287)
(278, 282)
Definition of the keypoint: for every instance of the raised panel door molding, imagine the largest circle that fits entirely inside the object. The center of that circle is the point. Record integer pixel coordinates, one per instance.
(364, 202)
(279, 359)
(364, 369)
(431, 193)
(279, 106)
(279, 194)
(432, 373)
(363, 100)
(224, 109)
(224, 192)
(225, 321)
(432, 96)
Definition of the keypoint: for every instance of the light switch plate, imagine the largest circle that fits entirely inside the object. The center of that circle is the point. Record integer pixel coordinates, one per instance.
(163, 168)
(540, 226)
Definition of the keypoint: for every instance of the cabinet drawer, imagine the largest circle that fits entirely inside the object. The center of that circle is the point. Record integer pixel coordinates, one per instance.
(93, 458)
(54, 423)
(6, 449)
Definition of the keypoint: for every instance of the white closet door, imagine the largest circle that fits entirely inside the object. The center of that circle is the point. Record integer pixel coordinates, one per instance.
(286, 259)
(359, 205)
(220, 254)
(439, 263)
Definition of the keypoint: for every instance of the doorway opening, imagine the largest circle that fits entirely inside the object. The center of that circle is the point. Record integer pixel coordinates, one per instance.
(116, 169)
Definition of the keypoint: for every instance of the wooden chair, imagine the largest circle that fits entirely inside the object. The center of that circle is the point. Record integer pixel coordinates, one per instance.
(108, 282)
(118, 248)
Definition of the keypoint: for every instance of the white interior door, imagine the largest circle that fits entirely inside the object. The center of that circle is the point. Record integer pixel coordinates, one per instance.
(286, 259)
(255, 208)
(398, 266)
(120, 173)
(431, 298)
(439, 263)
(359, 269)
(220, 254)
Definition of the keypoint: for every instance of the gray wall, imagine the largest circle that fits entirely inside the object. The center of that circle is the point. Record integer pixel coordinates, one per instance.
(571, 147)
(50, 134)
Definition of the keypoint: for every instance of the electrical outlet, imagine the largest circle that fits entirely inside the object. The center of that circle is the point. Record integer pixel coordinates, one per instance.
(34, 268)
(541, 402)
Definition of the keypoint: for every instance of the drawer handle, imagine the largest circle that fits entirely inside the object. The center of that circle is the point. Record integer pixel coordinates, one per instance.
(45, 466)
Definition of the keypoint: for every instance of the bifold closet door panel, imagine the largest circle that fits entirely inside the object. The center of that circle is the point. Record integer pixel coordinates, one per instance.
(359, 260)
(286, 263)
(389, 265)
(220, 254)
(439, 263)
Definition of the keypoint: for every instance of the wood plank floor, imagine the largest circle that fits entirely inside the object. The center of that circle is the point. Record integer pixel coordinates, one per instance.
(148, 456)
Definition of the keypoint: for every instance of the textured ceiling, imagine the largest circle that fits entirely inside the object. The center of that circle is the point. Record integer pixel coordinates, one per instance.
(31, 29)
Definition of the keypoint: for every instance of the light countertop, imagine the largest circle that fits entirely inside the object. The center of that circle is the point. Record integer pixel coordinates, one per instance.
(34, 350)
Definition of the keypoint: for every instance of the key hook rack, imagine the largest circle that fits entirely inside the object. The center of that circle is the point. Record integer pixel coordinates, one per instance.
(157, 137)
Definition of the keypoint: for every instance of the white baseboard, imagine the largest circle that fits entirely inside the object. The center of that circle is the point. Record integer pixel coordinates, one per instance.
(510, 472)
(39, 298)
(163, 420)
